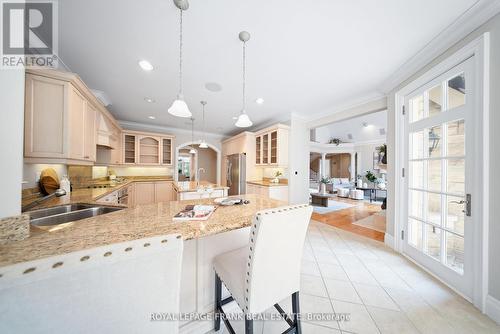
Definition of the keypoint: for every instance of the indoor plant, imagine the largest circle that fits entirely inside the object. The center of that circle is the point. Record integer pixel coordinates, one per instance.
(276, 179)
(371, 177)
(323, 182)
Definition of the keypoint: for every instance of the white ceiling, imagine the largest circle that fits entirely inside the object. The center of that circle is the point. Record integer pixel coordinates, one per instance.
(303, 57)
(354, 126)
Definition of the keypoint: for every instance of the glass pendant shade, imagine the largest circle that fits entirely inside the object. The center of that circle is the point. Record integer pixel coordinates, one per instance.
(179, 108)
(243, 121)
(192, 151)
(203, 144)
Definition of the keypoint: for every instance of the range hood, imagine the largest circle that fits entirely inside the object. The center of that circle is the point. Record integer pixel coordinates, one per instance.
(105, 137)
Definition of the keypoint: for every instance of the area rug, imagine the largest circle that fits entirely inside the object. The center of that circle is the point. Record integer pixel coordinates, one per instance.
(332, 206)
(375, 222)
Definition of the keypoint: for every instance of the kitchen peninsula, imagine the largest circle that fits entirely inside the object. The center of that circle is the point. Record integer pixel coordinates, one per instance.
(225, 230)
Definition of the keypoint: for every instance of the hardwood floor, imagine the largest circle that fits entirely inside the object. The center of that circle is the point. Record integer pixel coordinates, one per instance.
(345, 218)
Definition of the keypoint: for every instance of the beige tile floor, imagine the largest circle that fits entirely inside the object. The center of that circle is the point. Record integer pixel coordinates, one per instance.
(382, 291)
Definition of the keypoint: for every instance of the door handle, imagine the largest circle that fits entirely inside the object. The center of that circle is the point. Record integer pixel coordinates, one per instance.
(468, 204)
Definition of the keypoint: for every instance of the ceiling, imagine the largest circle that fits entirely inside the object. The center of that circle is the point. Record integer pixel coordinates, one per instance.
(355, 127)
(303, 56)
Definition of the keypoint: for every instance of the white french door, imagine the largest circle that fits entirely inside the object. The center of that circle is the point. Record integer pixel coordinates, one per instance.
(439, 125)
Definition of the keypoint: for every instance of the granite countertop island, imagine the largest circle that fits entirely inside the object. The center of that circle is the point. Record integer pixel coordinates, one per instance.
(192, 186)
(268, 183)
(129, 224)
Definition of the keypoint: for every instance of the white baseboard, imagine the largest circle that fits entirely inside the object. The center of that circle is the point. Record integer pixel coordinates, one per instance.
(389, 240)
(493, 308)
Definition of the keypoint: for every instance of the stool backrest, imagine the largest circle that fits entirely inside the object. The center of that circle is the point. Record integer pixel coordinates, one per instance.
(109, 289)
(273, 266)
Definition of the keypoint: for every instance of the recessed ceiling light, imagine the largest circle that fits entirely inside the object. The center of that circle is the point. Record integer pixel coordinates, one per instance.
(151, 117)
(213, 87)
(365, 125)
(149, 100)
(260, 100)
(146, 65)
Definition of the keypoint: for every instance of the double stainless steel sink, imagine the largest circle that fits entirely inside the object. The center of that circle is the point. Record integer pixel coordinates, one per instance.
(68, 213)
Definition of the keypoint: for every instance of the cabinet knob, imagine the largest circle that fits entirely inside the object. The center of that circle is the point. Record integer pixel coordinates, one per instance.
(86, 157)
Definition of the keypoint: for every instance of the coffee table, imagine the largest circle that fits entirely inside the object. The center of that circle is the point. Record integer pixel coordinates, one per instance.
(373, 192)
(322, 200)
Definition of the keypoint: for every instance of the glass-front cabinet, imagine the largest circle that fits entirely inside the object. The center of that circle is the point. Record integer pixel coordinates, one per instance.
(147, 148)
(166, 156)
(271, 146)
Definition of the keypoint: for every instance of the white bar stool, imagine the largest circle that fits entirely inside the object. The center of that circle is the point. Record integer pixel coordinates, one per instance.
(109, 289)
(266, 271)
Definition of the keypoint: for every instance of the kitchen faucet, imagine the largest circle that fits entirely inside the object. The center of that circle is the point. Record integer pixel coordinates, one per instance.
(198, 176)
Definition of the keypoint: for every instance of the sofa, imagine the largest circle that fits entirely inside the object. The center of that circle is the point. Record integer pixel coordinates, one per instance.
(339, 183)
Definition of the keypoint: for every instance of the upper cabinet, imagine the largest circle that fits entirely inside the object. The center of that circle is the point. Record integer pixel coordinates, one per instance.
(271, 146)
(141, 148)
(60, 119)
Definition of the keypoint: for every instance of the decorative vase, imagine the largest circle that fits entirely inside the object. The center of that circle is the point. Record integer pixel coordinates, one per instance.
(359, 183)
(365, 185)
(275, 180)
(322, 188)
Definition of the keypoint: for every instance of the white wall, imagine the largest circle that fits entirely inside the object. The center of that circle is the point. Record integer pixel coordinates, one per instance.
(298, 161)
(493, 26)
(365, 156)
(11, 140)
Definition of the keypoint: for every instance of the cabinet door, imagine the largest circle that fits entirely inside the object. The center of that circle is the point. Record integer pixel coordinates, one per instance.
(273, 148)
(258, 150)
(129, 149)
(77, 110)
(131, 195)
(265, 149)
(164, 191)
(116, 153)
(89, 127)
(44, 117)
(144, 193)
(149, 150)
(166, 147)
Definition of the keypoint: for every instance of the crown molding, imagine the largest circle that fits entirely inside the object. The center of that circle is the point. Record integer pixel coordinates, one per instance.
(127, 125)
(470, 20)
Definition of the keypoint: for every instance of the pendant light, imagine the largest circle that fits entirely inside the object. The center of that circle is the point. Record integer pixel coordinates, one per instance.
(203, 143)
(192, 150)
(179, 107)
(243, 120)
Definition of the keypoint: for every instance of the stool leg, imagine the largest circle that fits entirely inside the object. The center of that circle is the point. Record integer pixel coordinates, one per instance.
(248, 326)
(218, 304)
(296, 311)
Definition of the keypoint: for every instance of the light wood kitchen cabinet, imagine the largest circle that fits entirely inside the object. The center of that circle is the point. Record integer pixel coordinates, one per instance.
(275, 192)
(149, 150)
(60, 119)
(144, 193)
(153, 192)
(116, 142)
(271, 146)
(129, 149)
(164, 192)
(167, 154)
(89, 132)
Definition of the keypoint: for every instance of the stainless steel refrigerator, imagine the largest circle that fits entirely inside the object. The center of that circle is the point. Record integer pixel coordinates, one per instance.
(236, 174)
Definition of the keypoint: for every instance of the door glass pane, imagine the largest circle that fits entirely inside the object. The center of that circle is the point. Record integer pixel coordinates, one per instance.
(456, 176)
(434, 142)
(435, 100)
(455, 217)
(455, 252)
(417, 145)
(417, 108)
(416, 204)
(415, 233)
(456, 91)
(432, 244)
(417, 174)
(456, 138)
(434, 175)
(434, 208)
